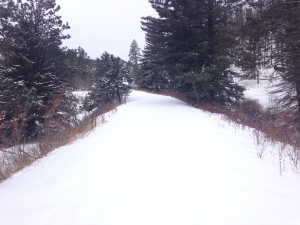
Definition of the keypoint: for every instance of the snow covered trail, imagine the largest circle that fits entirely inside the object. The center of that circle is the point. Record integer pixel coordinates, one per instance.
(156, 162)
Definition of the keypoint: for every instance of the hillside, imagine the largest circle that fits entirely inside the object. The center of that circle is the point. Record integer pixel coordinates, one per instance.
(156, 161)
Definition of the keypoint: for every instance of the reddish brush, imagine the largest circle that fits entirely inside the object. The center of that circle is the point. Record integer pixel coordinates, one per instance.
(277, 128)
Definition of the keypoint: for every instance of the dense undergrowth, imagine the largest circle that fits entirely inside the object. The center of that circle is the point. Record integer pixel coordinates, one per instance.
(280, 129)
(15, 156)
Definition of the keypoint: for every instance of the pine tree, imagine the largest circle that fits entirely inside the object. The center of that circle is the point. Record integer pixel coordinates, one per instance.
(281, 18)
(111, 82)
(6, 7)
(254, 33)
(194, 46)
(83, 66)
(151, 77)
(134, 58)
(286, 17)
(33, 68)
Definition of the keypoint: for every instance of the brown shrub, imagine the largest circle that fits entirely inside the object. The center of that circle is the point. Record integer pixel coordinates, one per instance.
(15, 155)
(278, 128)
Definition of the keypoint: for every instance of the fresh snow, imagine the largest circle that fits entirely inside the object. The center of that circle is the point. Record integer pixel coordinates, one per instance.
(259, 92)
(156, 161)
(262, 91)
(256, 91)
(80, 94)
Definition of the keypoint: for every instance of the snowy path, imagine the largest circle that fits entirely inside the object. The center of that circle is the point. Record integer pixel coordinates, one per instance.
(157, 162)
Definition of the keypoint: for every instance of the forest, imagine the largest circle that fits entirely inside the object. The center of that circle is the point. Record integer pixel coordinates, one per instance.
(195, 50)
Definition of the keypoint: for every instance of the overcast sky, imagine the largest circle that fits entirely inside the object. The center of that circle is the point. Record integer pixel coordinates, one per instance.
(105, 25)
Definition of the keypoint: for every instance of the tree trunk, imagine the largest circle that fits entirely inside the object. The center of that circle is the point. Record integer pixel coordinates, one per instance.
(298, 94)
(256, 74)
(210, 32)
(119, 96)
(196, 93)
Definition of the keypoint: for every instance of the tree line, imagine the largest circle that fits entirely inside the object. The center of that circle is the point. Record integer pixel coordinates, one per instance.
(38, 75)
(192, 45)
(191, 48)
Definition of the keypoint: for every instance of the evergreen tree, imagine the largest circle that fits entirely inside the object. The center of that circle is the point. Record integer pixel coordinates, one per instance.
(33, 68)
(281, 19)
(193, 44)
(151, 76)
(134, 58)
(6, 7)
(83, 66)
(285, 17)
(111, 82)
(254, 33)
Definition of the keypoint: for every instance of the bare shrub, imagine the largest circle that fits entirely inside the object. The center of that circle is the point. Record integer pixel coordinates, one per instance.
(15, 158)
(15, 154)
(260, 142)
(13, 131)
(279, 129)
(293, 153)
(103, 120)
(281, 156)
(2, 175)
(176, 95)
(72, 133)
(251, 107)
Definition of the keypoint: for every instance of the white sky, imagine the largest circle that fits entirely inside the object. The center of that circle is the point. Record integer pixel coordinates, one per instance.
(105, 25)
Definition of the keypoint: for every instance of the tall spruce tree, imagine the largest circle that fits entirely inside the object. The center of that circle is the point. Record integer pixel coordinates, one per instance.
(151, 76)
(193, 44)
(285, 26)
(33, 71)
(250, 58)
(83, 66)
(134, 59)
(111, 82)
(281, 19)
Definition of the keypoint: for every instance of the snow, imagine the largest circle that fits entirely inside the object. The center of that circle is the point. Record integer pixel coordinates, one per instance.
(80, 94)
(259, 92)
(156, 161)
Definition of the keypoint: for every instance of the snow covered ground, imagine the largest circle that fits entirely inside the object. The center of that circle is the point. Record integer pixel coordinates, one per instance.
(257, 91)
(80, 96)
(156, 162)
(260, 92)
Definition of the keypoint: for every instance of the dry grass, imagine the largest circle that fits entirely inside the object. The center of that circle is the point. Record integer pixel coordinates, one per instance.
(15, 156)
(277, 128)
